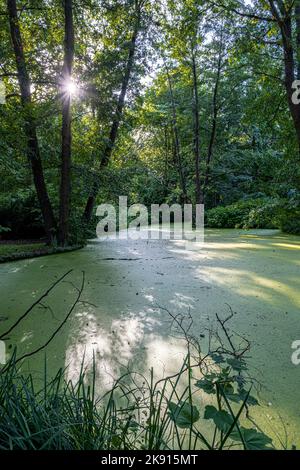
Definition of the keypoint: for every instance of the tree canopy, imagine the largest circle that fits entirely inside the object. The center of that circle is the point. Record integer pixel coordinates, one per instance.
(186, 101)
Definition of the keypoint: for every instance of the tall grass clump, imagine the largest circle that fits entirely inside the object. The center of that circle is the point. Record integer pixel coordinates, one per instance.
(137, 413)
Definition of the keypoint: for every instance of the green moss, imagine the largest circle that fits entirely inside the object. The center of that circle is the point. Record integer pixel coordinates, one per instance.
(8, 249)
(10, 252)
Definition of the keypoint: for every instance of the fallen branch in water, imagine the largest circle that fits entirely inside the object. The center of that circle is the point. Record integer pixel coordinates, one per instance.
(37, 302)
(40, 348)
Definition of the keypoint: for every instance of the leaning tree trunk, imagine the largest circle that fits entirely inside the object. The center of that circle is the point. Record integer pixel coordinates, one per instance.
(289, 66)
(88, 211)
(33, 151)
(65, 182)
(297, 16)
(284, 21)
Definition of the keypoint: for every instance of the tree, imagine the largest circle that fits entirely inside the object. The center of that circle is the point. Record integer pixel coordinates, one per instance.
(215, 109)
(285, 13)
(176, 140)
(284, 16)
(66, 95)
(33, 151)
(106, 154)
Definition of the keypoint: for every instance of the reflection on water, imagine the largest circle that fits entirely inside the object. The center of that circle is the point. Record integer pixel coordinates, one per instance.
(112, 350)
(120, 322)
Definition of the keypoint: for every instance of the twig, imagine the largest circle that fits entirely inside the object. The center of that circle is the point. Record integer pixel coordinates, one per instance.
(35, 304)
(80, 290)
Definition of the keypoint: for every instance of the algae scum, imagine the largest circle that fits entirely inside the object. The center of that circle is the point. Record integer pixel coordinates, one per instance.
(119, 320)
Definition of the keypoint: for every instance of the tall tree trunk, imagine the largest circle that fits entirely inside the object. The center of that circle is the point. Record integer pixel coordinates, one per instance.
(33, 151)
(176, 138)
(88, 211)
(66, 155)
(297, 16)
(166, 146)
(214, 117)
(199, 193)
(284, 21)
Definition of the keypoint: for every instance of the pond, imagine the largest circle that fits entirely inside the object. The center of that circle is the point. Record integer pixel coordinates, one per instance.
(255, 273)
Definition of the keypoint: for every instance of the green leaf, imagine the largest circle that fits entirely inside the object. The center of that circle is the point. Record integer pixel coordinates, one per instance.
(253, 439)
(252, 401)
(227, 388)
(217, 358)
(133, 424)
(237, 364)
(210, 412)
(239, 396)
(235, 397)
(206, 385)
(116, 441)
(222, 419)
(183, 414)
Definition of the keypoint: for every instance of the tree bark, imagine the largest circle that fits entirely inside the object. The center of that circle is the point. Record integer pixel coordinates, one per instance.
(214, 117)
(88, 211)
(297, 16)
(199, 193)
(177, 148)
(66, 153)
(284, 21)
(33, 151)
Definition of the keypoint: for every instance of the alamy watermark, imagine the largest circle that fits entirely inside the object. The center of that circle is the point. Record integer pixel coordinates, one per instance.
(2, 353)
(295, 357)
(296, 93)
(162, 221)
(2, 93)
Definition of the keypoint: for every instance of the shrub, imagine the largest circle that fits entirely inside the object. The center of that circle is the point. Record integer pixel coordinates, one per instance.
(78, 232)
(251, 213)
(266, 215)
(21, 214)
(290, 217)
(4, 230)
(291, 224)
(223, 217)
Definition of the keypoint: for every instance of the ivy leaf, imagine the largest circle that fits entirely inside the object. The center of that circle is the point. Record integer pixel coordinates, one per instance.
(183, 414)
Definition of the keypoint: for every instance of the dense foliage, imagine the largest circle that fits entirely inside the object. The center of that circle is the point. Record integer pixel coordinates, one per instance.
(182, 101)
